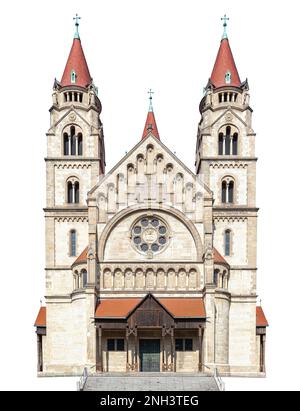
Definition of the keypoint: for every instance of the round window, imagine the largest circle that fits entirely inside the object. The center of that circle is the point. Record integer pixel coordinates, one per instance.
(150, 234)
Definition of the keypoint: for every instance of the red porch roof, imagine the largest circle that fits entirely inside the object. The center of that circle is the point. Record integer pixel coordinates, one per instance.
(178, 307)
(261, 320)
(41, 318)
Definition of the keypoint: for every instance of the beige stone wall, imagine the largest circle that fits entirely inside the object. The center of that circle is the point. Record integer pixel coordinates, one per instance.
(242, 335)
(62, 240)
(239, 228)
(65, 348)
(236, 171)
(180, 247)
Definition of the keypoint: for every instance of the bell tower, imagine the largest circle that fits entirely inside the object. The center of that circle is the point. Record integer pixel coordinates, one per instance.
(75, 159)
(225, 158)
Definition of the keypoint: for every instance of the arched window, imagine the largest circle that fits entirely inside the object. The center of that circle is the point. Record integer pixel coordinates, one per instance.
(72, 141)
(227, 141)
(79, 137)
(230, 192)
(227, 241)
(235, 144)
(73, 193)
(227, 189)
(66, 144)
(228, 77)
(216, 276)
(84, 278)
(224, 192)
(70, 192)
(221, 138)
(77, 192)
(73, 76)
(73, 238)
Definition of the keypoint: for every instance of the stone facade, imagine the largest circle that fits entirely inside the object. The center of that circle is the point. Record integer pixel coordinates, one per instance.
(88, 208)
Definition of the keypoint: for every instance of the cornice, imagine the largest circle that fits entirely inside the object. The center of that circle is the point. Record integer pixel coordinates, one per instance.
(234, 209)
(231, 159)
(66, 209)
(72, 159)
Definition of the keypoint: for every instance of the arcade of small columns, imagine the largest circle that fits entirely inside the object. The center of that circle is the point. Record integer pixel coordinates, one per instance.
(137, 278)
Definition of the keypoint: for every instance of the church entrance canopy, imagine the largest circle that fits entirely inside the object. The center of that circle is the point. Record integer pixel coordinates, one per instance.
(166, 318)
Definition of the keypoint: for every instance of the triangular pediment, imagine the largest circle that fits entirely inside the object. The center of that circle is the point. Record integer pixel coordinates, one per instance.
(149, 157)
(149, 304)
(69, 113)
(228, 115)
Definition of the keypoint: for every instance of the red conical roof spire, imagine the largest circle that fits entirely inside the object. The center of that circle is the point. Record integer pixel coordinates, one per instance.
(150, 125)
(225, 72)
(76, 72)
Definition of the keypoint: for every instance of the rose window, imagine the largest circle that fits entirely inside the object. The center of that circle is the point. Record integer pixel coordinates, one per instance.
(150, 234)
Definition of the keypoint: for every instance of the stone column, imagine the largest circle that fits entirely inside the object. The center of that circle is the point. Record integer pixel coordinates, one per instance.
(164, 365)
(39, 353)
(99, 365)
(200, 335)
(173, 355)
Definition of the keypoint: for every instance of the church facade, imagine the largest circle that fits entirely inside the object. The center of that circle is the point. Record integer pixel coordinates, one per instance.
(151, 267)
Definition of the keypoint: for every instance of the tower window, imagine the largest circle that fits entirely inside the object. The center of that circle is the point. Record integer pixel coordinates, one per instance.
(227, 141)
(227, 243)
(77, 192)
(72, 243)
(230, 192)
(66, 144)
(235, 144)
(84, 278)
(216, 278)
(227, 191)
(228, 77)
(224, 192)
(73, 77)
(221, 138)
(73, 196)
(79, 138)
(70, 192)
(72, 141)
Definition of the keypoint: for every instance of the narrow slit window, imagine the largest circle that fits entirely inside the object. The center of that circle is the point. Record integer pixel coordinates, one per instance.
(73, 243)
(221, 138)
(227, 141)
(79, 144)
(235, 144)
(224, 192)
(230, 191)
(70, 192)
(227, 243)
(84, 278)
(76, 192)
(66, 144)
(73, 77)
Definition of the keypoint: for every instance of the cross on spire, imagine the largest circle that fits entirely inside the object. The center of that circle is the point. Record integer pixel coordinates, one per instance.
(76, 18)
(225, 19)
(150, 92)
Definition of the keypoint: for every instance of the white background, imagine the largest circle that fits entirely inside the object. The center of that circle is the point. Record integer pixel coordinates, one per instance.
(130, 46)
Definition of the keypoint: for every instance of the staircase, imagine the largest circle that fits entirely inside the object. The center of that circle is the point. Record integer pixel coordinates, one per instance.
(150, 382)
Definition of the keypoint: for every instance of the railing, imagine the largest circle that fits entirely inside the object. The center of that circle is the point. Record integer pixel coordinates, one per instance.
(81, 383)
(218, 380)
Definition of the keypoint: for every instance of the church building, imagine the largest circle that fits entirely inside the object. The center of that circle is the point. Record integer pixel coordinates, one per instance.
(151, 267)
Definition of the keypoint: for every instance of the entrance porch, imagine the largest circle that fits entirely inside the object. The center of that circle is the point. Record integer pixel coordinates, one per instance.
(151, 338)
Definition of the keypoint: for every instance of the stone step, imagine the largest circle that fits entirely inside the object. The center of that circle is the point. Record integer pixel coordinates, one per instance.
(150, 382)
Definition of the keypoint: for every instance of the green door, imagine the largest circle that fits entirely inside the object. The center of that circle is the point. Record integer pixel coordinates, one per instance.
(150, 355)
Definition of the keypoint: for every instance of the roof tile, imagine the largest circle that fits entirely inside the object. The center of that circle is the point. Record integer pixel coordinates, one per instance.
(224, 63)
